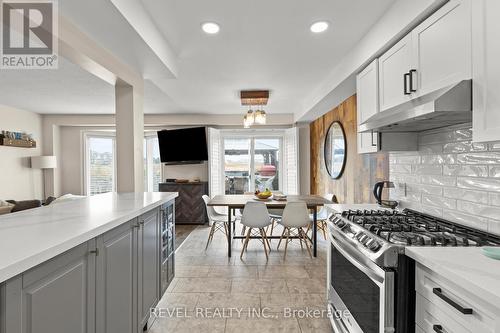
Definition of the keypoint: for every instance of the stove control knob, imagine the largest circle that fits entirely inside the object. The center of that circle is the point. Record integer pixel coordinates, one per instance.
(372, 245)
(363, 239)
(340, 223)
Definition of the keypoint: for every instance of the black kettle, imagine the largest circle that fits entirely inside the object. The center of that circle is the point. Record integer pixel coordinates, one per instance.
(377, 193)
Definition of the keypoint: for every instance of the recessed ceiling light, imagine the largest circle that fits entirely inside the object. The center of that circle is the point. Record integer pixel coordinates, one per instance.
(319, 26)
(210, 28)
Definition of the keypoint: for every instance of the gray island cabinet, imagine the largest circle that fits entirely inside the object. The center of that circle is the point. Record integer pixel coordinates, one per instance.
(106, 284)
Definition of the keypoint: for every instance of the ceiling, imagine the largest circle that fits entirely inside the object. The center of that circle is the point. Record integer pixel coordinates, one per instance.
(49, 92)
(262, 45)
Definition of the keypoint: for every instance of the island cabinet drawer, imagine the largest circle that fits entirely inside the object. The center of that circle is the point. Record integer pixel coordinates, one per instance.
(442, 300)
(431, 319)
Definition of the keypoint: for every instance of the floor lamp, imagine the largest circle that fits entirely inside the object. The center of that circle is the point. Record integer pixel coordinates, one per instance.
(44, 163)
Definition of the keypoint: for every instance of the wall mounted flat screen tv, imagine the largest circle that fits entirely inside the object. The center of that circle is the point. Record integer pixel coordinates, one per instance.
(183, 146)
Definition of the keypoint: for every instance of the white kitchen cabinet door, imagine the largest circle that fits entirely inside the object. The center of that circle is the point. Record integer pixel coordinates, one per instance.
(367, 92)
(486, 70)
(442, 48)
(367, 142)
(393, 65)
(367, 105)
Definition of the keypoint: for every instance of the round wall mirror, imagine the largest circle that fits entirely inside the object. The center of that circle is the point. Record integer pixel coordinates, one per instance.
(335, 150)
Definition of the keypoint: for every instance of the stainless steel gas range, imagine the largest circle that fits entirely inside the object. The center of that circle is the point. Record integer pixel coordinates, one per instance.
(371, 283)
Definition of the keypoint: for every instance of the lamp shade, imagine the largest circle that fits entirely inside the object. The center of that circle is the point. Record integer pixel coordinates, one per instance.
(43, 162)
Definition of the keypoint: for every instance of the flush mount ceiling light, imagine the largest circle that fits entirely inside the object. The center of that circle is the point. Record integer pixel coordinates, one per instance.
(320, 26)
(210, 28)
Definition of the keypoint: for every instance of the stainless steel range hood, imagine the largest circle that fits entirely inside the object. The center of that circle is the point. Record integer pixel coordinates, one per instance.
(447, 106)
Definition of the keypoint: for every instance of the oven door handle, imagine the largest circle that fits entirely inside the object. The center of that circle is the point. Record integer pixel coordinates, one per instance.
(338, 325)
(375, 273)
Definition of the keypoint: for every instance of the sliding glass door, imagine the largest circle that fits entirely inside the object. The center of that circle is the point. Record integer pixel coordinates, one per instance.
(252, 163)
(237, 165)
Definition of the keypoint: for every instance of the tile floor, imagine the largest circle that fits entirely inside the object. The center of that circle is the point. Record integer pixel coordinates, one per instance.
(214, 293)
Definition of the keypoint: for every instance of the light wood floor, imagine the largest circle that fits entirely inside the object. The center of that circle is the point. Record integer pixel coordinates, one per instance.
(209, 288)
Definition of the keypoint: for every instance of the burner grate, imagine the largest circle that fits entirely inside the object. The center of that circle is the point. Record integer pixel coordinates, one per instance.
(409, 227)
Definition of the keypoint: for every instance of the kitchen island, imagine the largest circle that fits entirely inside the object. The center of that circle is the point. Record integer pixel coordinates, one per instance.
(96, 264)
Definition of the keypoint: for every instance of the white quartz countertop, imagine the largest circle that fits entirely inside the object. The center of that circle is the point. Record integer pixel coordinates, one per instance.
(31, 237)
(465, 266)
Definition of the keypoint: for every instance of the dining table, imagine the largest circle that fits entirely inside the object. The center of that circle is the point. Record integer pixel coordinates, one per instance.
(238, 201)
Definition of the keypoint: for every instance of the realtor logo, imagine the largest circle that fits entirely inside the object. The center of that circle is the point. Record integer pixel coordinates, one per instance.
(29, 34)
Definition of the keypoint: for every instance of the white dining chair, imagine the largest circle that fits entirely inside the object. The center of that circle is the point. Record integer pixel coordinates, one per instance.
(295, 218)
(218, 221)
(322, 216)
(255, 216)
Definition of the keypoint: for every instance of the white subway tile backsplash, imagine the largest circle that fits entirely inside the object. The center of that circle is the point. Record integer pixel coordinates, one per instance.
(438, 180)
(400, 168)
(430, 189)
(468, 195)
(427, 169)
(439, 159)
(479, 158)
(466, 219)
(486, 184)
(436, 201)
(451, 177)
(494, 171)
(478, 209)
(464, 146)
(465, 170)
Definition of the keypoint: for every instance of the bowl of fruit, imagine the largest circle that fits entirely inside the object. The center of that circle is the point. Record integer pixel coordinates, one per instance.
(263, 195)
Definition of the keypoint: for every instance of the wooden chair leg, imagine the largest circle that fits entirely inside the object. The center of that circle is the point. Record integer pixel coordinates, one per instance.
(301, 234)
(286, 243)
(267, 241)
(243, 229)
(300, 239)
(210, 235)
(325, 225)
(245, 244)
(281, 238)
(264, 242)
(272, 226)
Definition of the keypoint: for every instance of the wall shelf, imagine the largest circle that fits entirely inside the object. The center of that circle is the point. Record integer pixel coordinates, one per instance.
(17, 143)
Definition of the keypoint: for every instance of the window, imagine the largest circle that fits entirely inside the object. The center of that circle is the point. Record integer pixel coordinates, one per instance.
(100, 164)
(252, 163)
(152, 164)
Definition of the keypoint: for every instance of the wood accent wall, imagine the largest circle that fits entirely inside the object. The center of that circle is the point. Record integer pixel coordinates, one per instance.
(361, 172)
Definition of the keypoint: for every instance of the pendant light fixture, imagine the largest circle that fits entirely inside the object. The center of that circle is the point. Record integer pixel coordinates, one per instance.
(259, 99)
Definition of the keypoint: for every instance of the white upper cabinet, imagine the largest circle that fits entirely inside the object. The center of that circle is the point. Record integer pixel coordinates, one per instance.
(393, 68)
(436, 54)
(442, 48)
(486, 70)
(367, 105)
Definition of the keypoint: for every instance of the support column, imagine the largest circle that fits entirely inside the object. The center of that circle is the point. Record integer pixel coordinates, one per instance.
(129, 138)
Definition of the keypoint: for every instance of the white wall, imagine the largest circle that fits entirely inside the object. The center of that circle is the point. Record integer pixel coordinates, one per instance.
(69, 143)
(305, 159)
(17, 180)
(187, 171)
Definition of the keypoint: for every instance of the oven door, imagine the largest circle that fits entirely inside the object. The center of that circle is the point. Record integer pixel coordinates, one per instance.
(360, 293)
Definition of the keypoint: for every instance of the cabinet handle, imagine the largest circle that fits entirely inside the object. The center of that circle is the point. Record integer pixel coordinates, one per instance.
(96, 252)
(461, 309)
(406, 76)
(136, 226)
(438, 328)
(141, 223)
(373, 143)
(411, 79)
